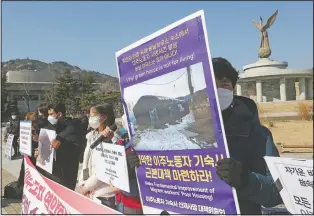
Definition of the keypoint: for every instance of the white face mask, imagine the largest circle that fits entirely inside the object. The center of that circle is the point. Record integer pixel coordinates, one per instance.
(52, 120)
(13, 116)
(225, 97)
(94, 122)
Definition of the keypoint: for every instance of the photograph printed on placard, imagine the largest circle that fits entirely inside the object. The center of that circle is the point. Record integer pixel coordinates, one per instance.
(171, 112)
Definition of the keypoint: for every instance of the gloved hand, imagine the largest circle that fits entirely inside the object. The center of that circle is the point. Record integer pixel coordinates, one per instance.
(233, 173)
(133, 161)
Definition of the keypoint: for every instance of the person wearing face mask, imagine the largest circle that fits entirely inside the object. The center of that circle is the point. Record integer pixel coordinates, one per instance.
(66, 160)
(246, 169)
(14, 129)
(101, 117)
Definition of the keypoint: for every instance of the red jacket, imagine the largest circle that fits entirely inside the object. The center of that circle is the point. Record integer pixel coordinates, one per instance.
(128, 201)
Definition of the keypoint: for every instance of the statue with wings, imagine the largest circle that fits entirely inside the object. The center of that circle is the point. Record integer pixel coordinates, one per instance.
(264, 49)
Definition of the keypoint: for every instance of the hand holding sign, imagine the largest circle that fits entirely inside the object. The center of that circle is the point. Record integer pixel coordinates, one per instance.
(36, 153)
(233, 173)
(55, 144)
(35, 138)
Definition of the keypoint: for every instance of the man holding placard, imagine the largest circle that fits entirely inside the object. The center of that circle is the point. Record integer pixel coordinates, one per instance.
(246, 170)
(66, 159)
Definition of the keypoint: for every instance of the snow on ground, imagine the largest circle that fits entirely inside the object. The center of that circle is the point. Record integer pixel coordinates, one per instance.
(169, 138)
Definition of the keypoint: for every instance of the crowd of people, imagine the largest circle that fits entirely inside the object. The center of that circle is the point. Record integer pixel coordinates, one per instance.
(245, 170)
(72, 146)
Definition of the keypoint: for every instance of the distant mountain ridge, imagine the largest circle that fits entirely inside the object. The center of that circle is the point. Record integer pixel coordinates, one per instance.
(110, 83)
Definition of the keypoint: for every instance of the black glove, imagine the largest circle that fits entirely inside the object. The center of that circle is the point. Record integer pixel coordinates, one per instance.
(133, 162)
(233, 173)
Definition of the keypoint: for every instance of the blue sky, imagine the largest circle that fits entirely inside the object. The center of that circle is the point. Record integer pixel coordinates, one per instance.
(87, 34)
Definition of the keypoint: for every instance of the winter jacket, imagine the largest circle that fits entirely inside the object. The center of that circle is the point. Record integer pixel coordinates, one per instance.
(66, 162)
(271, 149)
(132, 199)
(96, 187)
(247, 144)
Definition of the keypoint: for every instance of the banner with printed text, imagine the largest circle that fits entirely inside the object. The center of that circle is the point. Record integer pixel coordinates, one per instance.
(294, 181)
(168, 94)
(43, 196)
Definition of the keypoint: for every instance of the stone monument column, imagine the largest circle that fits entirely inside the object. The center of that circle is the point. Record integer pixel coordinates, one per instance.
(283, 96)
(259, 95)
(310, 88)
(239, 90)
(302, 89)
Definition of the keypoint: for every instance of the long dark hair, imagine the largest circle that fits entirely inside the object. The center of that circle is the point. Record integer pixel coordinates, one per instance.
(106, 110)
(43, 109)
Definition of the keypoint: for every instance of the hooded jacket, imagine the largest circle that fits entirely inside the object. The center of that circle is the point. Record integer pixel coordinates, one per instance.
(247, 144)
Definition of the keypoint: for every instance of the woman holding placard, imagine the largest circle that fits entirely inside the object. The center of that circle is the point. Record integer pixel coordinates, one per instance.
(101, 117)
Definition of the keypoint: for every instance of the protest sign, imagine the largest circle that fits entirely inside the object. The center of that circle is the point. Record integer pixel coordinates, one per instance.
(111, 165)
(169, 97)
(43, 196)
(8, 147)
(294, 180)
(45, 151)
(26, 137)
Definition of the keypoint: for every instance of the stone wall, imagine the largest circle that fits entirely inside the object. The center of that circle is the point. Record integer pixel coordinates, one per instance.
(290, 89)
(248, 89)
(271, 90)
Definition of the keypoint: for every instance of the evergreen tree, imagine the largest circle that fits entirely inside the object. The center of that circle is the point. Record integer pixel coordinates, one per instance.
(66, 90)
(88, 94)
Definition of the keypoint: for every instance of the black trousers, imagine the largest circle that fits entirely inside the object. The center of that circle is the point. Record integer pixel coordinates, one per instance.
(22, 171)
(15, 145)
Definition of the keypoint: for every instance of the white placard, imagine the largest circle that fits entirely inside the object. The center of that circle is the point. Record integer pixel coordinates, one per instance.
(45, 151)
(112, 166)
(8, 147)
(26, 137)
(294, 180)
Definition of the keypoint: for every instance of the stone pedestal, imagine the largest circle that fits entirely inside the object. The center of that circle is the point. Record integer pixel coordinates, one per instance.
(310, 88)
(302, 87)
(239, 90)
(283, 95)
(259, 96)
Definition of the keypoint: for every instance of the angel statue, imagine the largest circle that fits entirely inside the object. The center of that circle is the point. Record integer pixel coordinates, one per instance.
(264, 48)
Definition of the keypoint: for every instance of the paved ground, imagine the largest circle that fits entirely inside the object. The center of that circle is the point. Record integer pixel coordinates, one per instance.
(10, 172)
(9, 206)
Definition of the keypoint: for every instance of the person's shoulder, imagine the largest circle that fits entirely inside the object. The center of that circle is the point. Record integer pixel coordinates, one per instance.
(89, 134)
(251, 105)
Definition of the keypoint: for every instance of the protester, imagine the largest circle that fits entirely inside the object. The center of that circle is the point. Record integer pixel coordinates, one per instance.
(246, 169)
(66, 162)
(100, 118)
(14, 129)
(15, 189)
(39, 120)
(31, 117)
(128, 203)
